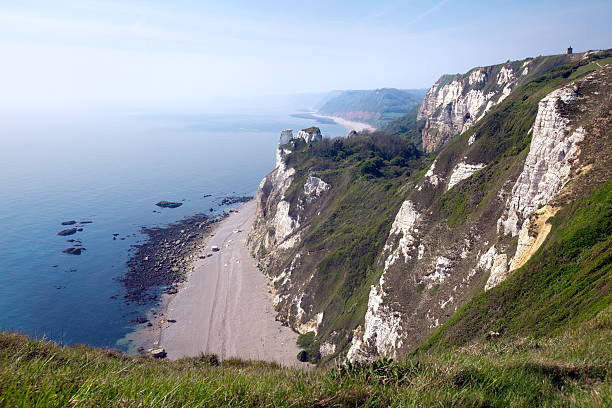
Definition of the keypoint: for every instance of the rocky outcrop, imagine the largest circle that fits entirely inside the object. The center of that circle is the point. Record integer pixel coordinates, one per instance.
(381, 334)
(277, 232)
(311, 134)
(553, 151)
(314, 187)
(272, 222)
(547, 167)
(462, 171)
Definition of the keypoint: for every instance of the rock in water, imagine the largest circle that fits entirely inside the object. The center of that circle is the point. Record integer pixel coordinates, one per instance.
(168, 204)
(69, 222)
(235, 199)
(73, 251)
(68, 231)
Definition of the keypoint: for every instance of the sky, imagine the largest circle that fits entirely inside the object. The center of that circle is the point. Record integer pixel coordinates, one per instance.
(97, 53)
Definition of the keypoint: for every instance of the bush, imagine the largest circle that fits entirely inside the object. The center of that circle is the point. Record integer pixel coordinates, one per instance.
(372, 166)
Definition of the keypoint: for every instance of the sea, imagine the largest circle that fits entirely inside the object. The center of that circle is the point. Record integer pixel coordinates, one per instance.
(111, 169)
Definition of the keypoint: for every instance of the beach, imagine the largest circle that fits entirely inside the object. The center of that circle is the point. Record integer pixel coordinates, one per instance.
(351, 125)
(225, 306)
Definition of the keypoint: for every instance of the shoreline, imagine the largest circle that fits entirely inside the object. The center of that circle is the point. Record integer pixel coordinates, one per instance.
(349, 124)
(224, 306)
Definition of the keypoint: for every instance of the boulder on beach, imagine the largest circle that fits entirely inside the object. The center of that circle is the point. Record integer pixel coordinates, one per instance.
(215, 248)
(158, 353)
(168, 204)
(72, 222)
(68, 231)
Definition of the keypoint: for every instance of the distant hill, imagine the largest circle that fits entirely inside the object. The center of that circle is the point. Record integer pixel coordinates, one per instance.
(374, 107)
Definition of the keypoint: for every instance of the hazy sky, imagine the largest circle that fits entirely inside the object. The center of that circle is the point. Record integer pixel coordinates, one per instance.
(103, 52)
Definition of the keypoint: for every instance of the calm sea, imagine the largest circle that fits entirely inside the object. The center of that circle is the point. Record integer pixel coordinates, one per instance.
(110, 169)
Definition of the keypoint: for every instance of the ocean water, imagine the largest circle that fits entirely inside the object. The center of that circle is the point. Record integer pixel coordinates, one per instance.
(111, 169)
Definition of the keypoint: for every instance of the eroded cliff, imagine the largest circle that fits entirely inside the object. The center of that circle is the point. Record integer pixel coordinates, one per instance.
(456, 102)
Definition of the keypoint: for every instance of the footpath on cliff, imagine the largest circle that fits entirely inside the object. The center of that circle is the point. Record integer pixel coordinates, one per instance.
(225, 307)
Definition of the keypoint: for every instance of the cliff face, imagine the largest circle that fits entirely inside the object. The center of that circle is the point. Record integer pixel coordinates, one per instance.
(440, 231)
(433, 265)
(456, 102)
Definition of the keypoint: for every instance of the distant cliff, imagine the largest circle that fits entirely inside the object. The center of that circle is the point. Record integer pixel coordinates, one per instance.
(374, 107)
(372, 246)
(456, 102)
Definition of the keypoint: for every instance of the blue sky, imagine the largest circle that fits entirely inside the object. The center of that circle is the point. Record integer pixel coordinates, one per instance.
(104, 52)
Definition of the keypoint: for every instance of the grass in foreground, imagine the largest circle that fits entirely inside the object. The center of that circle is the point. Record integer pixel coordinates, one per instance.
(573, 369)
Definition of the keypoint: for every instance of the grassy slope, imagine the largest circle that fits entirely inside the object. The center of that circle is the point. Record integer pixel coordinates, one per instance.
(570, 370)
(566, 282)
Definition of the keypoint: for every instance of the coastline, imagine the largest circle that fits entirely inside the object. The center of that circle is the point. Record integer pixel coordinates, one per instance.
(351, 125)
(224, 307)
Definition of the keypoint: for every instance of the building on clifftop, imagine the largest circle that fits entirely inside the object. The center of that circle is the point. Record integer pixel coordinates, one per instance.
(569, 50)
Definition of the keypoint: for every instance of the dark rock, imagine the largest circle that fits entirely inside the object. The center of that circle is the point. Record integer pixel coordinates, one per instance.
(168, 204)
(158, 353)
(140, 320)
(72, 222)
(160, 262)
(85, 222)
(68, 231)
(171, 320)
(79, 229)
(302, 356)
(235, 199)
(73, 251)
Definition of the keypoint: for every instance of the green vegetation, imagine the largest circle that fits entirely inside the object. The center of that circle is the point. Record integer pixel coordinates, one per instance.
(378, 106)
(573, 369)
(407, 126)
(311, 348)
(369, 173)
